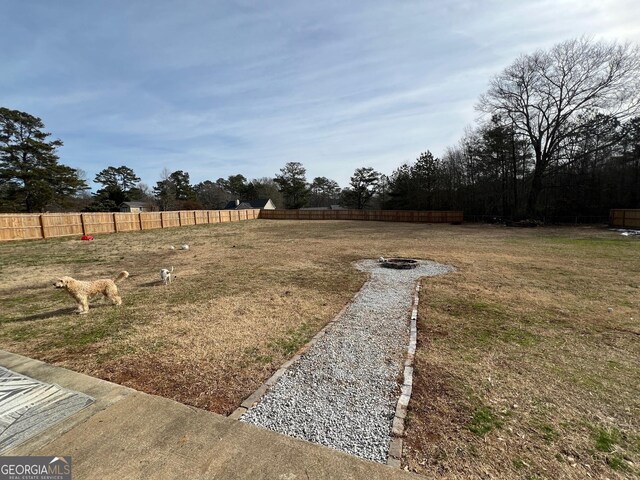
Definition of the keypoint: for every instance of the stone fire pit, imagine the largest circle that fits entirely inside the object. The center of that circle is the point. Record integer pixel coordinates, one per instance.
(399, 263)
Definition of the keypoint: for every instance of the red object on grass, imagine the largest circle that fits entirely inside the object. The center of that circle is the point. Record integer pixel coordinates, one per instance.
(87, 237)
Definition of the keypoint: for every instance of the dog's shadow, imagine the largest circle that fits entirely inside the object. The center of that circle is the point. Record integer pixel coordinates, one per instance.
(53, 314)
(152, 283)
(44, 315)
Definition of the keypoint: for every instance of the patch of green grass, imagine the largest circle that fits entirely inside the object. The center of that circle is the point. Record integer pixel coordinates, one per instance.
(579, 377)
(76, 335)
(483, 421)
(488, 324)
(157, 345)
(17, 300)
(113, 353)
(17, 308)
(587, 242)
(73, 337)
(606, 440)
(519, 336)
(481, 306)
(293, 340)
(613, 364)
(492, 334)
(518, 463)
(463, 308)
(31, 259)
(548, 432)
(253, 355)
(616, 462)
(22, 333)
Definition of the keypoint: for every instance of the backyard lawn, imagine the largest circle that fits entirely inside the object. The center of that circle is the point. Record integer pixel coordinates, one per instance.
(528, 362)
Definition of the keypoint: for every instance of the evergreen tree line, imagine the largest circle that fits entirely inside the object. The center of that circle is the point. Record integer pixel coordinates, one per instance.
(560, 137)
(490, 174)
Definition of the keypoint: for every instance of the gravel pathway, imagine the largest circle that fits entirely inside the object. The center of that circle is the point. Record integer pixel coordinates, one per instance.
(342, 393)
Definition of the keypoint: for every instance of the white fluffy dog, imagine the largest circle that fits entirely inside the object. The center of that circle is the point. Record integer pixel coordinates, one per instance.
(166, 275)
(83, 291)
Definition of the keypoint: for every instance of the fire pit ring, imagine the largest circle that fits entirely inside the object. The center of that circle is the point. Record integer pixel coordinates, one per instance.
(399, 263)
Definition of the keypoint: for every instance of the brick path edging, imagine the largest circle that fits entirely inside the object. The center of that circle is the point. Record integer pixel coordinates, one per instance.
(394, 458)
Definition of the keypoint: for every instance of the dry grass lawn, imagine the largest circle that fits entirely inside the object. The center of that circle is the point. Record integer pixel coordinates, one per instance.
(521, 370)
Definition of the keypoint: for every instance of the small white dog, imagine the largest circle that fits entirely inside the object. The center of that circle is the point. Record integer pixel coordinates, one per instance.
(184, 247)
(166, 275)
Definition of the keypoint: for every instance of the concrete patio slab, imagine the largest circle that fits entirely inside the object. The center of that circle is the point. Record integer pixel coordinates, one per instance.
(132, 435)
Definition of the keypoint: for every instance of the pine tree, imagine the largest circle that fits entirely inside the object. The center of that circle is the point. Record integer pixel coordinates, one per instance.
(30, 176)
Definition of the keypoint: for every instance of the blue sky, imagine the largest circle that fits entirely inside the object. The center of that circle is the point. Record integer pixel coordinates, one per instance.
(217, 88)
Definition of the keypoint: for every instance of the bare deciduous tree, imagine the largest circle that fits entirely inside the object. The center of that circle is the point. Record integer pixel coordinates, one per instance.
(550, 96)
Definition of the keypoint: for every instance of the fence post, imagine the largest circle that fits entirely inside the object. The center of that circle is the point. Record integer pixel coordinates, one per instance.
(624, 218)
(179, 218)
(84, 228)
(195, 218)
(140, 220)
(115, 223)
(42, 228)
(161, 219)
(208, 216)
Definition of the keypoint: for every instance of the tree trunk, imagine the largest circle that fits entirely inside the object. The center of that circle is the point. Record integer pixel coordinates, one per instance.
(534, 193)
(514, 172)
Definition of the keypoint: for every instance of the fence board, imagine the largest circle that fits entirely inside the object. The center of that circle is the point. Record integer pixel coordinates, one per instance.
(171, 219)
(150, 220)
(624, 218)
(61, 224)
(201, 216)
(97, 223)
(20, 227)
(126, 222)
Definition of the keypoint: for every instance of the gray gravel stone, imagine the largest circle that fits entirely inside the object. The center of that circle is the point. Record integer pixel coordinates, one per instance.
(342, 393)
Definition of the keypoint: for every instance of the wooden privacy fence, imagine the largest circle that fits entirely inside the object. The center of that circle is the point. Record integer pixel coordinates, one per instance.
(19, 226)
(624, 218)
(376, 215)
(48, 225)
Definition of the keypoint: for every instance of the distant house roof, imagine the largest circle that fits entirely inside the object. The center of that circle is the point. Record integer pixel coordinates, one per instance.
(134, 204)
(331, 207)
(245, 204)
